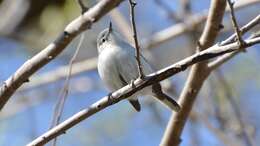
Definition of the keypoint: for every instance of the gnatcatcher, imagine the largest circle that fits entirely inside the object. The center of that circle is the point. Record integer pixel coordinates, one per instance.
(117, 67)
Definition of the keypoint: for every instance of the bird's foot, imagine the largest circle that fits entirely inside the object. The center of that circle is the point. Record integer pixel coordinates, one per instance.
(110, 99)
(133, 84)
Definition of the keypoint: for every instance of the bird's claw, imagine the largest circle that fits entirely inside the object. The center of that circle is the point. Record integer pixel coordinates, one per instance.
(110, 99)
(132, 84)
(242, 45)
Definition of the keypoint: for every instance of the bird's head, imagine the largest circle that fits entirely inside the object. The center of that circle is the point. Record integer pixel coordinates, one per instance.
(106, 38)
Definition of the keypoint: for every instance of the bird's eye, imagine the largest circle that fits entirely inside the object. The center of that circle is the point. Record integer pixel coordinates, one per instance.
(103, 40)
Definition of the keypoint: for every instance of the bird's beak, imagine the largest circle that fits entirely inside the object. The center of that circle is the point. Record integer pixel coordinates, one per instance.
(110, 27)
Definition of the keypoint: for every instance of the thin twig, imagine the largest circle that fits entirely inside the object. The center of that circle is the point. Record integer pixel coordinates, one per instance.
(82, 6)
(243, 30)
(127, 91)
(137, 47)
(220, 60)
(59, 107)
(235, 25)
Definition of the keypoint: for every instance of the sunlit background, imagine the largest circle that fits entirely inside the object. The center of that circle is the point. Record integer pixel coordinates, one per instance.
(28, 26)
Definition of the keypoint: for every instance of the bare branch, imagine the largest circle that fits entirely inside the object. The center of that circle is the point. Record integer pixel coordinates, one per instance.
(184, 27)
(222, 59)
(137, 47)
(243, 3)
(82, 6)
(196, 78)
(90, 64)
(128, 90)
(57, 113)
(234, 22)
(51, 51)
(152, 42)
(243, 30)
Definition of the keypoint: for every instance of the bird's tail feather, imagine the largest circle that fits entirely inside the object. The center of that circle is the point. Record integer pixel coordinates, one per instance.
(136, 104)
(168, 102)
(164, 98)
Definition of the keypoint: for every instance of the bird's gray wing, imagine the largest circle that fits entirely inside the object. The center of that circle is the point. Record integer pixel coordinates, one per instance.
(129, 71)
(128, 65)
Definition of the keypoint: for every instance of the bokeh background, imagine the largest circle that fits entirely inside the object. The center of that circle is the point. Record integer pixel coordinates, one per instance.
(28, 26)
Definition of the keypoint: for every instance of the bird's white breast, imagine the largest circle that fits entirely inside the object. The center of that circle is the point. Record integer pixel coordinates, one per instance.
(107, 68)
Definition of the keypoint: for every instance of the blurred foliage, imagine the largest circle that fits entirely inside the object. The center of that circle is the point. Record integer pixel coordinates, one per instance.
(45, 19)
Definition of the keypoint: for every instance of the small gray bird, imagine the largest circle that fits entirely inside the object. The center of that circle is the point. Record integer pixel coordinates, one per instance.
(117, 67)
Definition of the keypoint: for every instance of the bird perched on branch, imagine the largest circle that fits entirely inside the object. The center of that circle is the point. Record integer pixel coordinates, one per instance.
(117, 67)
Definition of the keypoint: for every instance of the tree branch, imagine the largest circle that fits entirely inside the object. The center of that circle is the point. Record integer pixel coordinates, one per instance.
(181, 28)
(137, 47)
(222, 59)
(155, 40)
(78, 25)
(128, 90)
(243, 3)
(82, 6)
(196, 78)
(234, 22)
(59, 107)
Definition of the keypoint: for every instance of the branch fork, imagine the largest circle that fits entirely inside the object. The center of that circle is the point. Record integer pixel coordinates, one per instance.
(237, 30)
